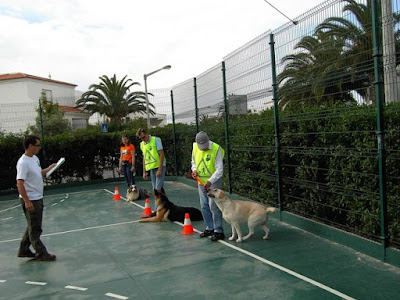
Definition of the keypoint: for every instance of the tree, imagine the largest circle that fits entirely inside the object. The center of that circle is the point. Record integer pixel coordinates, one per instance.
(357, 48)
(335, 62)
(112, 98)
(53, 119)
(316, 74)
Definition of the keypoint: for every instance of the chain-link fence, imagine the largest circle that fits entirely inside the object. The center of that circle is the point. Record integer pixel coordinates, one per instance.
(308, 115)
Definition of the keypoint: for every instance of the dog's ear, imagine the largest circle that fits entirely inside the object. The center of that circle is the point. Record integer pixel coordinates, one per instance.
(160, 192)
(156, 193)
(221, 195)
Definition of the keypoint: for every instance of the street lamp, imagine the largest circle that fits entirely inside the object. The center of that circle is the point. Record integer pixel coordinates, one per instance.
(167, 67)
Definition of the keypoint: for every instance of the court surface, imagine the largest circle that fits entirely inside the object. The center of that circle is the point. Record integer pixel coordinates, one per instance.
(104, 253)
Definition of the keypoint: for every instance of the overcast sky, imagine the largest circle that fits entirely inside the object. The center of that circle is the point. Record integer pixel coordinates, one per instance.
(77, 41)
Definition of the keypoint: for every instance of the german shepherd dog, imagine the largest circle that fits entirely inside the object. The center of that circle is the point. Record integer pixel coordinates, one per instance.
(168, 211)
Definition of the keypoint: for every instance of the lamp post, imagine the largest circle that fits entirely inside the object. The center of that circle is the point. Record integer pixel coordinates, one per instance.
(167, 67)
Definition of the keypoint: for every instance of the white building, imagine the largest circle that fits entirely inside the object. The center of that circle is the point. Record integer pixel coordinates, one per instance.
(19, 98)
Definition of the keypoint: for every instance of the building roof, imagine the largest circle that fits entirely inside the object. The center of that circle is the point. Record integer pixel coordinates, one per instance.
(70, 109)
(11, 76)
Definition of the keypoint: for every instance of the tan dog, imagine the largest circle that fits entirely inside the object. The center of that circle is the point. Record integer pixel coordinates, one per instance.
(236, 212)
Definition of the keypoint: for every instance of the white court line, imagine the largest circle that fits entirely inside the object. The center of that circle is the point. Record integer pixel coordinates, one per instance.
(6, 218)
(272, 264)
(36, 282)
(82, 229)
(279, 267)
(76, 230)
(116, 296)
(2, 281)
(49, 196)
(261, 259)
(54, 204)
(10, 208)
(71, 287)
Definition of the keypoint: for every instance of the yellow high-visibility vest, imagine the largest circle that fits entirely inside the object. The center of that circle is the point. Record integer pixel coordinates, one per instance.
(205, 161)
(150, 154)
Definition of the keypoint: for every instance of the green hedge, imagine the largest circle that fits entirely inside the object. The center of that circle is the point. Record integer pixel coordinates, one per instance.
(329, 161)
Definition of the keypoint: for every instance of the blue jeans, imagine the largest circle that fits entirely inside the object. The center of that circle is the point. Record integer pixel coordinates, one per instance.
(129, 178)
(157, 182)
(211, 213)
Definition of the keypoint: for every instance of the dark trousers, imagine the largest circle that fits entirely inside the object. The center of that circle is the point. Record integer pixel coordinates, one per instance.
(129, 178)
(33, 229)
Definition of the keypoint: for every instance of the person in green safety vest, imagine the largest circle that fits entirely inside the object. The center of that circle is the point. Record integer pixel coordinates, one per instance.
(208, 168)
(153, 160)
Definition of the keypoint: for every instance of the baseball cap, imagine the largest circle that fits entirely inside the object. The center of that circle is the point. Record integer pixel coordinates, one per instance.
(202, 140)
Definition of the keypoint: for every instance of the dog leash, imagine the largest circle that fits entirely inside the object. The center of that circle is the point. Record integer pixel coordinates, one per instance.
(199, 182)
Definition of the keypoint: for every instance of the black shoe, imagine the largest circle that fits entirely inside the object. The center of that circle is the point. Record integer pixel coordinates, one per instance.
(46, 257)
(217, 236)
(206, 233)
(28, 253)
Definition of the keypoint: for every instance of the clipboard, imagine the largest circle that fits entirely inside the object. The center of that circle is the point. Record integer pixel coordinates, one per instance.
(59, 163)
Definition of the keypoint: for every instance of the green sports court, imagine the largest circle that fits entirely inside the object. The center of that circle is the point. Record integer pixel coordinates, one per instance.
(104, 253)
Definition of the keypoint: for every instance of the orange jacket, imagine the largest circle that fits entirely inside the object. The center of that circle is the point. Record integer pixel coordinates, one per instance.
(126, 152)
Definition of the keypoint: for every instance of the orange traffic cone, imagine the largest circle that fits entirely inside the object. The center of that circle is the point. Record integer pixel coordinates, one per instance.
(187, 225)
(147, 209)
(117, 196)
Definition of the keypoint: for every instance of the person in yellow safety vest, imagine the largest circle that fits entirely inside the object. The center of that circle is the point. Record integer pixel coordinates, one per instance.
(208, 168)
(153, 160)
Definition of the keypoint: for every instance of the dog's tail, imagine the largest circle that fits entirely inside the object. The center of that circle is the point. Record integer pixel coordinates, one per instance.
(270, 209)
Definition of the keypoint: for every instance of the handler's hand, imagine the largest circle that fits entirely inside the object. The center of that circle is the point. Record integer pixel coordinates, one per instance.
(144, 175)
(29, 206)
(207, 185)
(52, 166)
(159, 172)
(194, 174)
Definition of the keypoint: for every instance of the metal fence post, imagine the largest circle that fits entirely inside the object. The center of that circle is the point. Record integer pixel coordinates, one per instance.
(227, 141)
(380, 124)
(42, 133)
(276, 125)
(196, 109)
(174, 133)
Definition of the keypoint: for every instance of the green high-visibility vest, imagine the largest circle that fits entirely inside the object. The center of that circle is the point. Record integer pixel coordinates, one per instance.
(205, 160)
(150, 154)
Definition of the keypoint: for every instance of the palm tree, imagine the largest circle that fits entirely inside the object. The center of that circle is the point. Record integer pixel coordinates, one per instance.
(316, 74)
(112, 98)
(357, 49)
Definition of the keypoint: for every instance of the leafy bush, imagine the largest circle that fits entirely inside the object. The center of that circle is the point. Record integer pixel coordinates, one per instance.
(329, 161)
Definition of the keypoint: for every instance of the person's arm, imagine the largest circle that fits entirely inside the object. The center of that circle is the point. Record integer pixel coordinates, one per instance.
(133, 159)
(21, 190)
(120, 162)
(44, 171)
(194, 169)
(160, 168)
(219, 170)
(144, 167)
(160, 151)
